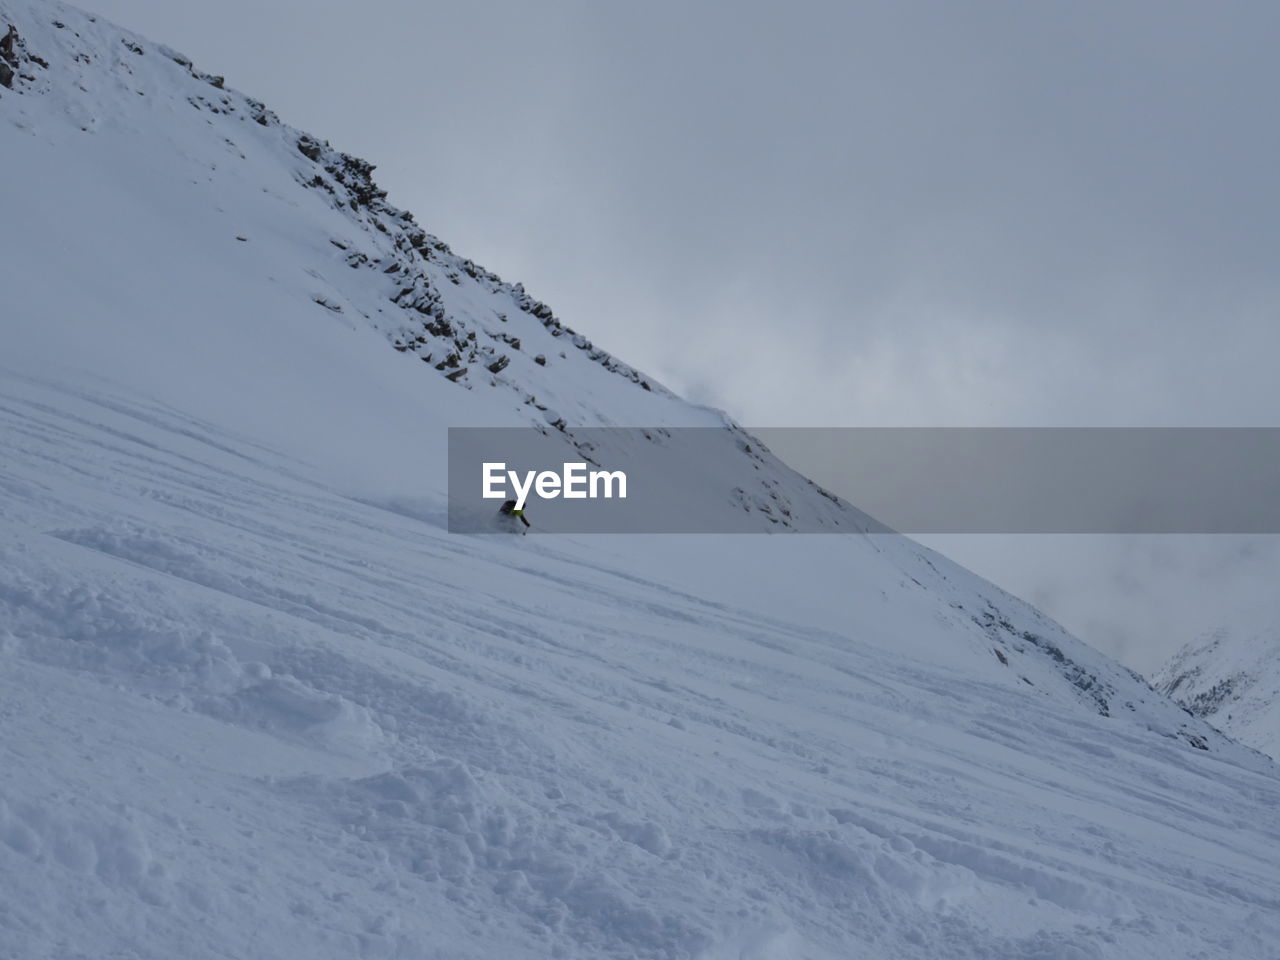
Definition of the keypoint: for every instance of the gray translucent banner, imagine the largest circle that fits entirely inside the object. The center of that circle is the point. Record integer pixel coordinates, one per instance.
(911, 480)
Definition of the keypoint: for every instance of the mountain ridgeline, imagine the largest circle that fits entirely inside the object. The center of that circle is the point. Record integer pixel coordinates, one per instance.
(1231, 678)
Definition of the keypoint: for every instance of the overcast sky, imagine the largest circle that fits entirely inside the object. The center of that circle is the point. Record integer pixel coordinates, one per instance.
(890, 213)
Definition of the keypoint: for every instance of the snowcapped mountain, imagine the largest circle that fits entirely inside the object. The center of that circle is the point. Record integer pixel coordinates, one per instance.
(256, 701)
(1232, 679)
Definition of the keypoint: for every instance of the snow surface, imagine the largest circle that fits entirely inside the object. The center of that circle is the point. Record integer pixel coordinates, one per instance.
(256, 702)
(1231, 677)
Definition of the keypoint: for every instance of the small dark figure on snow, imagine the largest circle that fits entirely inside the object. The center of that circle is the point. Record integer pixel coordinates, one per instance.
(508, 509)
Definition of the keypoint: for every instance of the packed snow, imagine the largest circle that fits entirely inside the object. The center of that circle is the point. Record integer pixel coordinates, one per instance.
(257, 702)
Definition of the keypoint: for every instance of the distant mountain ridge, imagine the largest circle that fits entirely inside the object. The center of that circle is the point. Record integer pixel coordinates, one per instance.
(1231, 678)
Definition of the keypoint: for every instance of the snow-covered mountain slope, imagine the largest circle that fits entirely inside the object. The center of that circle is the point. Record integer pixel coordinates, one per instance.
(255, 701)
(1232, 679)
(300, 220)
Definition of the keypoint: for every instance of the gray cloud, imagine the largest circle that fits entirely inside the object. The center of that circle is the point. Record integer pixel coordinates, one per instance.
(1139, 598)
(832, 214)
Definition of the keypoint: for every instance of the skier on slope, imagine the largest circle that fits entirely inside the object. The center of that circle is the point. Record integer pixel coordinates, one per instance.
(508, 509)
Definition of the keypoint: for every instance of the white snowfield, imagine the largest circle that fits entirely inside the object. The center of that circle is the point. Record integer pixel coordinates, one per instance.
(1231, 677)
(256, 702)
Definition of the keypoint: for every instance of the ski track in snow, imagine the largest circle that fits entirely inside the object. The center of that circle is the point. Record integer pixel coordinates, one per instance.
(391, 738)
